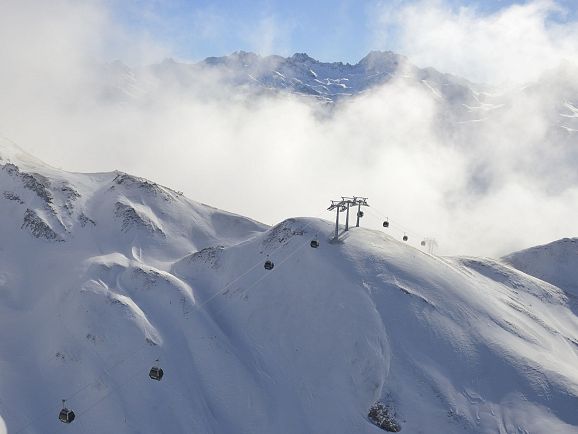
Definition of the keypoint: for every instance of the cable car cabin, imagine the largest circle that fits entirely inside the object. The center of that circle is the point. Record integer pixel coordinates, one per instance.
(386, 224)
(314, 244)
(405, 237)
(269, 265)
(360, 214)
(66, 415)
(156, 373)
(423, 243)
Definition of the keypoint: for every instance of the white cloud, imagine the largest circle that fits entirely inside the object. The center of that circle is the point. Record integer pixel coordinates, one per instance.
(513, 45)
(480, 190)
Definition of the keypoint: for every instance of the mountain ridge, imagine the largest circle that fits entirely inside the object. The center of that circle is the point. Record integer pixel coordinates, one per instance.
(299, 73)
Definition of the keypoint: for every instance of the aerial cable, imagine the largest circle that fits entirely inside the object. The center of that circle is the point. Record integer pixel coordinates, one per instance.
(126, 381)
(133, 354)
(253, 267)
(394, 225)
(297, 249)
(428, 242)
(265, 275)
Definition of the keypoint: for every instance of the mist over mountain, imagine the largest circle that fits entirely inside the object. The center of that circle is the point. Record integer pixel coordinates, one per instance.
(485, 165)
(326, 82)
(468, 155)
(170, 260)
(298, 75)
(473, 155)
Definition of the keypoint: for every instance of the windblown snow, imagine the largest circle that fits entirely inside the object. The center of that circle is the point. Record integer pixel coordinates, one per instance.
(104, 275)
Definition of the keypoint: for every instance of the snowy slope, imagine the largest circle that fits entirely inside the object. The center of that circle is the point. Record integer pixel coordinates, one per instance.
(556, 263)
(453, 345)
(113, 210)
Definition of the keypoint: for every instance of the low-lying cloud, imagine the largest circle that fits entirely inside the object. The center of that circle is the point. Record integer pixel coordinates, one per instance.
(481, 188)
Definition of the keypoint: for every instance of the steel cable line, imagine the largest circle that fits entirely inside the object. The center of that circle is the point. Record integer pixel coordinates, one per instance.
(394, 225)
(133, 354)
(99, 379)
(90, 407)
(254, 266)
(265, 275)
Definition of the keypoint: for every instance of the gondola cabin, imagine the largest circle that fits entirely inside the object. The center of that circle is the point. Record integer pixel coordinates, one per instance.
(423, 243)
(66, 415)
(386, 224)
(156, 373)
(405, 238)
(269, 265)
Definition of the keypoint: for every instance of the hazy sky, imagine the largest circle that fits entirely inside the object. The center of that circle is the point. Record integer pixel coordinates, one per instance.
(329, 30)
(212, 143)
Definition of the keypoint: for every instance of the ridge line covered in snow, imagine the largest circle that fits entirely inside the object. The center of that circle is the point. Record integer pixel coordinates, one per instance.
(335, 339)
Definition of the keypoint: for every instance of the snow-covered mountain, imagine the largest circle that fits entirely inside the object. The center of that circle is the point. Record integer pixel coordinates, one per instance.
(556, 263)
(302, 74)
(298, 74)
(101, 275)
(464, 107)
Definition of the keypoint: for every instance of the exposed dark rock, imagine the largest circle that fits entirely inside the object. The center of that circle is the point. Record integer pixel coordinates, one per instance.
(383, 416)
(38, 227)
(38, 184)
(147, 278)
(283, 232)
(11, 169)
(32, 181)
(70, 195)
(13, 196)
(132, 219)
(209, 255)
(144, 184)
(84, 220)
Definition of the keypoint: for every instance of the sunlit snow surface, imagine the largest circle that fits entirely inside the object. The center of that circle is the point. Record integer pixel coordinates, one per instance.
(93, 292)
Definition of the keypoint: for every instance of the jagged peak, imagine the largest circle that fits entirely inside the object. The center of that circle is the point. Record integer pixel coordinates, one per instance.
(246, 55)
(376, 57)
(302, 57)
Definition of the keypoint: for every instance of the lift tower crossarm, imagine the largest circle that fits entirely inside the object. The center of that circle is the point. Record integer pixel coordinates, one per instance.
(359, 201)
(343, 205)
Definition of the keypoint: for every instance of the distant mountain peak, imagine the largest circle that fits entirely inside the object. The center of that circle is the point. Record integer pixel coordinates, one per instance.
(303, 57)
(376, 58)
(301, 74)
(555, 262)
(246, 55)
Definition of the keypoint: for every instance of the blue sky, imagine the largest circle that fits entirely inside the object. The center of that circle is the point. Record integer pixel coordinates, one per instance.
(327, 30)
